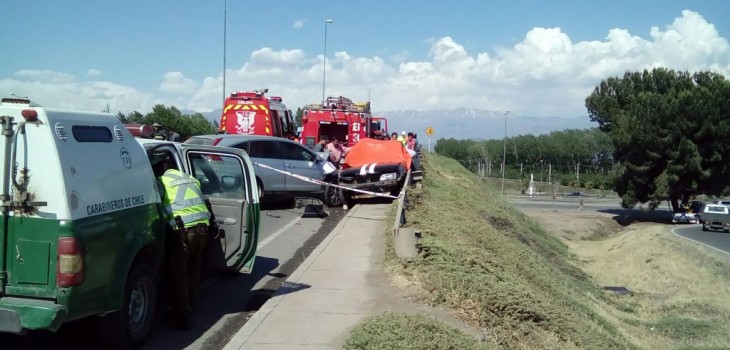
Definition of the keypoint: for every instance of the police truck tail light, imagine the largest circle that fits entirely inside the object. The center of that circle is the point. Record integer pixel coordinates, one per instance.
(70, 262)
(30, 115)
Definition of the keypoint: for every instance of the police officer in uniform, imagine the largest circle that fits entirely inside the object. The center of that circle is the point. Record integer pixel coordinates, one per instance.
(189, 219)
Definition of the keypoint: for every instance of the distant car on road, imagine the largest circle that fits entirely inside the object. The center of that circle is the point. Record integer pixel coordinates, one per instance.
(574, 194)
(685, 217)
(285, 155)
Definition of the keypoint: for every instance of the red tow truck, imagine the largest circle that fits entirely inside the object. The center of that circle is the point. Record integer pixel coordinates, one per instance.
(252, 113)
(341, 118)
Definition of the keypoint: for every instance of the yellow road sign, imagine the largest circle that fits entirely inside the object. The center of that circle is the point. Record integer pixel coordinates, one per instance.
(429, 131)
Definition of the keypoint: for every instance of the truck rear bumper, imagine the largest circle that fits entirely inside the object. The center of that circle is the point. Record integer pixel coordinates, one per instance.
(19, 314)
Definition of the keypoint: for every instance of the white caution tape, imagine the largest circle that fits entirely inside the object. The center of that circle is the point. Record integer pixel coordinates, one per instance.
(320, 182)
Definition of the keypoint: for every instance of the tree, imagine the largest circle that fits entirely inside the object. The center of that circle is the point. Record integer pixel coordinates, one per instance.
(670, 131)
(298, 117)
(172, 119)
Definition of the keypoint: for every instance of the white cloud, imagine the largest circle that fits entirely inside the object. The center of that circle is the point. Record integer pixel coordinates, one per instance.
(45, 76)
(544, 73)
(93, 72)
(298, 24)
(177, 83)
(90, 95)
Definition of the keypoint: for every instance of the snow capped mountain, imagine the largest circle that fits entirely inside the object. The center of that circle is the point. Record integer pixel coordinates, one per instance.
(465, 123)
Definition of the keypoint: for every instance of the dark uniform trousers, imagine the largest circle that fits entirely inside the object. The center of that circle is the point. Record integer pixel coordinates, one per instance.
(183, 261)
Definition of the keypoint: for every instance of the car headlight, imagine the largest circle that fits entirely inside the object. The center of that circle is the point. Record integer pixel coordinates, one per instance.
(388, 176)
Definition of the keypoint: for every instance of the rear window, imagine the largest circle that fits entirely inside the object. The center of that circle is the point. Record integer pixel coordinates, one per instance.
(88, 133)
(242, 145)
(714, 209)
(263, 149)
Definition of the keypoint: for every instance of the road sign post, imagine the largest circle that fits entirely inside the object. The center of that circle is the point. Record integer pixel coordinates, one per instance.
(429, 132)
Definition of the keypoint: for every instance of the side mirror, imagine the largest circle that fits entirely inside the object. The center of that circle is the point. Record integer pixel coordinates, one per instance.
(229, 183)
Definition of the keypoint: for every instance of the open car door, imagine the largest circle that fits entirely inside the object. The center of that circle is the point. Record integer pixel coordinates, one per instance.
(228, 182)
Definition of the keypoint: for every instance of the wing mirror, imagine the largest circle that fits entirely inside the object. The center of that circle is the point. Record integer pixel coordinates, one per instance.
(229, 183)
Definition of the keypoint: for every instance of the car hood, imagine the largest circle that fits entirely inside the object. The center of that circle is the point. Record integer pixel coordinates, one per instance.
(371, 151)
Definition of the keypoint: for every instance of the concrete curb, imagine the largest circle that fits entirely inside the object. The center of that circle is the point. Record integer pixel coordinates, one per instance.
(239, 339)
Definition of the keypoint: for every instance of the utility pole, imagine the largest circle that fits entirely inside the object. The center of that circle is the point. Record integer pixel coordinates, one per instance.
(504, 149)
(550, 171)
(225, 19)
(324, 58)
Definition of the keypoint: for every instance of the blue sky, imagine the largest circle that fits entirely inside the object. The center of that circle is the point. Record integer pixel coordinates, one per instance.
(536, 58)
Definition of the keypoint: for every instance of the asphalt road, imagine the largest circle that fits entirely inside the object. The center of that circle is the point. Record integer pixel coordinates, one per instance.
(225, 302)
(716, 240)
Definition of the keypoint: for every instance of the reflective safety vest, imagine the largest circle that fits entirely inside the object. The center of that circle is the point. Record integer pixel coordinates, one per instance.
(184, 198)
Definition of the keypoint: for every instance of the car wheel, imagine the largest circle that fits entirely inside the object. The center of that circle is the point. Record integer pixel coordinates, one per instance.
(260, 189)
(333, 196)
(704, 228)
(130, 326)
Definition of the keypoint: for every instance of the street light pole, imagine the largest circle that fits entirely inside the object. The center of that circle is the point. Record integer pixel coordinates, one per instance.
(225, 17)
(504, 149)
(369, 88)
(324, 58)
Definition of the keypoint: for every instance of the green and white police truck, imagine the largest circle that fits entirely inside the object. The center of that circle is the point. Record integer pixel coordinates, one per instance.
(82, 223)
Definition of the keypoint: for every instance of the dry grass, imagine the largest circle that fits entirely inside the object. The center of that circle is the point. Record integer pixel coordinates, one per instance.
(681, 289)
(527, 288)
(498, 270)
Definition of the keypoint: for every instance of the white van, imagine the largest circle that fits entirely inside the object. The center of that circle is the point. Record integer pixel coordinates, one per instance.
(83, 231)
(716, 217)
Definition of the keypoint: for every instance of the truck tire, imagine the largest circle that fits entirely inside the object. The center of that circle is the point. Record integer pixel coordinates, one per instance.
(129, 327)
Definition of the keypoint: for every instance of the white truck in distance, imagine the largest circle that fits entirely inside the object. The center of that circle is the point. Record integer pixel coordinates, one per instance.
(716, 217)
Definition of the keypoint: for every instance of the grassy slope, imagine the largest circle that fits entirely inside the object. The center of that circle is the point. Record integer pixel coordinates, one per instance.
(497, 269)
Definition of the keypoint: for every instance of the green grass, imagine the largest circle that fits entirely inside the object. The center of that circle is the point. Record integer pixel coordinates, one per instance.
(684, 328)
(409, 332)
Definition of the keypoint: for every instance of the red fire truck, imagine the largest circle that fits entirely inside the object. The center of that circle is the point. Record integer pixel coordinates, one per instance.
(339, 118)
(252, 113)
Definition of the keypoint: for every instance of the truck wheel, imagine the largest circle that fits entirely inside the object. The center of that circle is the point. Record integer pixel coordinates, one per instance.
(333, 196)
(130, 326)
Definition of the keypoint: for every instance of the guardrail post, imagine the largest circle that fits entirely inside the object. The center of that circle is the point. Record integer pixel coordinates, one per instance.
(404, 238)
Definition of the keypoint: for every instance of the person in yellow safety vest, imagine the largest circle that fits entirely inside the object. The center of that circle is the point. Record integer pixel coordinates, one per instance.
(188, 218)
(402, 137)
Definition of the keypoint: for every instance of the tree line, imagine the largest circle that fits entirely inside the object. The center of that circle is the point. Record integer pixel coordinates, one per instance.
(172, 119)
(574, 157)
(661, 135)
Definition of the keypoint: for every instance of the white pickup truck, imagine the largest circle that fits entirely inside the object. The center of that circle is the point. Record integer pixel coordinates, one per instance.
(716, 217)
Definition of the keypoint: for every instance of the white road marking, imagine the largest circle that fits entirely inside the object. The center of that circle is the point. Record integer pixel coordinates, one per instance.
(698, 242)
(276, 234)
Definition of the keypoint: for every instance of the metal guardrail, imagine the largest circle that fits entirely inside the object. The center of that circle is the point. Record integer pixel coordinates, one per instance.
(400, 213)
